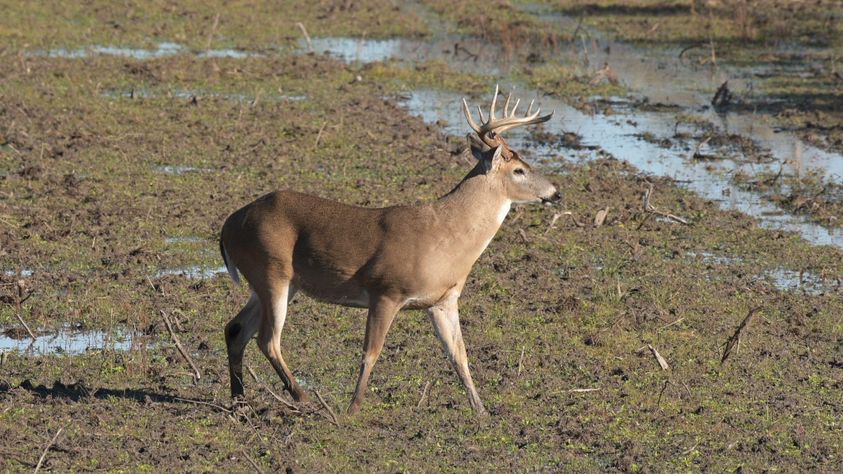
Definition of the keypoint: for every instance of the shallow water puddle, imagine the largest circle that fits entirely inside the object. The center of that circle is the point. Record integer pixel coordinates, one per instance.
(22, 273)
(194, 272)
(782, 278)
(164, 49)
(360, 50)
(67, 340)
(466, 54)
(790, 280)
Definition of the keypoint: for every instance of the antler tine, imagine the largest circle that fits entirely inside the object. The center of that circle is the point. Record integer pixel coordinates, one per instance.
(530, 108)
(482, 118)
(514, 107)
(506, 105)
(492, 116)
(468, 117)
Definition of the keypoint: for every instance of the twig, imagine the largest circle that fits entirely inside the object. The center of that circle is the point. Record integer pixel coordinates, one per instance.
(319, 135)
(424, 394)
(251, 461)
(200, 402)
(327, 407)
(652, 210)
(600, 217)
(671, 324)
(521, 362)
(47, 448)
(735, 339)
(306, 36)
(664, 387)
(689, 450)
(696, 155)
(581, 390)
(196, 373)
(523, 236)
(659, 358)
(573, 219)
(688, 48)
(266, 387)
(552, 225)
(579, 26)
(213, 30)
(19, 301)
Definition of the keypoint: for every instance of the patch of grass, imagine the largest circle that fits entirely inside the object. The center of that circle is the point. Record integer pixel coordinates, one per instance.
(431, 74)
(500, 21)
(564, 81)
(198, 24)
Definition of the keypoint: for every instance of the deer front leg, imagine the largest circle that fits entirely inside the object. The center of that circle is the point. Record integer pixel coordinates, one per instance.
(446, 322)
(382, 311)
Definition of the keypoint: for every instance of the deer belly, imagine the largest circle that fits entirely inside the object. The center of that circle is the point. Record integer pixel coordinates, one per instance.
(331, 285)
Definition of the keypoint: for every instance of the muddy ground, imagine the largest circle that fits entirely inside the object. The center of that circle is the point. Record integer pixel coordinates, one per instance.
(118, 172)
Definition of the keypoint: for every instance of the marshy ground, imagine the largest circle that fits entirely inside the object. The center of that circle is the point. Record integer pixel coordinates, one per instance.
(129, 132)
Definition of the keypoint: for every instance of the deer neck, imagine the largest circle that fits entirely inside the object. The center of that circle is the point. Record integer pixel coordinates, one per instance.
(472, 212)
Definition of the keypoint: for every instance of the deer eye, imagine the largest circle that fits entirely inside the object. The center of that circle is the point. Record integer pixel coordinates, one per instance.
(519, 171)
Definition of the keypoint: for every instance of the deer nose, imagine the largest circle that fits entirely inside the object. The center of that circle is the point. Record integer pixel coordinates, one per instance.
(555, 198)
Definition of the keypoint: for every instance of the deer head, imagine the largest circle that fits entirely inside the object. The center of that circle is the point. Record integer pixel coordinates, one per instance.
(520, 182)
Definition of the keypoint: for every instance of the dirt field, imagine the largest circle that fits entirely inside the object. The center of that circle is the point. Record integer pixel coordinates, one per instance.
(117, 171)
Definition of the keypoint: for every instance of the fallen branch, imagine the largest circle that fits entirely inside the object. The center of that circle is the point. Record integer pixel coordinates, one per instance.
(251, 461)
(735, 339)
(650, 209)
(600, 217)
(200, 402)
(266, 387)
(553, 220)
(671, 324)
(327, 407)
(659, 358)
(196, 373)
(573, 219)
(424, 394)
(523, 236)
(47, 448)
(319, 135)
(582, 390)
(306, 36)
(213, 30)
(19, 301)
(521, 362)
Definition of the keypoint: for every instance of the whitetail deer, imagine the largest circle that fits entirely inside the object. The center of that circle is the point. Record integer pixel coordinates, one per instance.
(386, 260)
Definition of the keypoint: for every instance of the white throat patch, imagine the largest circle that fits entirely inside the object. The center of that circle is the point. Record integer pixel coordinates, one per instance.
(503, 211)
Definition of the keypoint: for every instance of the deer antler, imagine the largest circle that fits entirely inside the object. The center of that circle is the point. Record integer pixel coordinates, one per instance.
(509, 119)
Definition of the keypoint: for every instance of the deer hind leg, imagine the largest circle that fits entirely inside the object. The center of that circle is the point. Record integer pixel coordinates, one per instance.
(381, 313)
(446, 322)
(274, 306)
(238, 332)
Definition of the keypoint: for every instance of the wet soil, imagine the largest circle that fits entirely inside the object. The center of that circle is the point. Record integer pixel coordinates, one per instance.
(557, 314)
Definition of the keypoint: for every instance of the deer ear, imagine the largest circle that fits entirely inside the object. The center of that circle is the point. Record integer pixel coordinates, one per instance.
(491, 159)
(497, 158)
(479, 149)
